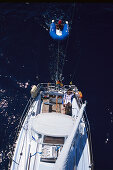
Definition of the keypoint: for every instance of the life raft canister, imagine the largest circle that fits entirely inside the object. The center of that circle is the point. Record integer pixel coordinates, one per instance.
(34, 91)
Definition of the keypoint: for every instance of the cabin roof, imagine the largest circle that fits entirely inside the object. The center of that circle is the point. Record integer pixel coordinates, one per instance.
(52, 124)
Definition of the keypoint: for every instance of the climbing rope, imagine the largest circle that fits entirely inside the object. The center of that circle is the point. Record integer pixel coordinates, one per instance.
(77, 64)
(57, 71)
(67, 41)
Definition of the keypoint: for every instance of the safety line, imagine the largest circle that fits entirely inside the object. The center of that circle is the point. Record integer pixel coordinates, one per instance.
(15, 162)
(35, 154)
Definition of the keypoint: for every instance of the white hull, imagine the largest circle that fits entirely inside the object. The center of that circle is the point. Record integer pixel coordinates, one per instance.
(52, 140)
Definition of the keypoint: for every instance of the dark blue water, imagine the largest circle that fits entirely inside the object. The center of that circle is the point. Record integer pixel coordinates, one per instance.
(28, 56)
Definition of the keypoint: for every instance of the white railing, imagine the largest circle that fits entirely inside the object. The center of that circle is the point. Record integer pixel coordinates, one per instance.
(50, 86)
(63, 157)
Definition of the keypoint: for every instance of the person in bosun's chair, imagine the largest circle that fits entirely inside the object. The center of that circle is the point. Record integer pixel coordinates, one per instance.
(59, 25)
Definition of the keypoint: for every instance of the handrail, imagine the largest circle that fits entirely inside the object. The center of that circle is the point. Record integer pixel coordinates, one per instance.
(23, 116)
(61, 161)
(89, 137)
(49, 85)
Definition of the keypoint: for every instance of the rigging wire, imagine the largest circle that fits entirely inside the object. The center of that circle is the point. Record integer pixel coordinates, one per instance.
(79, 55)
(57, 71)
(67, 41)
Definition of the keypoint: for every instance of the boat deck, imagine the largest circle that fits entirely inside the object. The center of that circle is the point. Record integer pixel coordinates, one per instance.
(44, 134)
(47, 107)
(52, 124)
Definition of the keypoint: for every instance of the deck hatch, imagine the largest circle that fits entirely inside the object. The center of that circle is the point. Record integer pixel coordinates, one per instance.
(53, 140)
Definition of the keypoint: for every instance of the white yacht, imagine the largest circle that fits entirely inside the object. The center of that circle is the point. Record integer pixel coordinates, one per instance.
(51, 138)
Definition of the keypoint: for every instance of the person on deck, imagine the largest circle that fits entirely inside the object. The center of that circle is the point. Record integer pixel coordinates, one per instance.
(67, 102)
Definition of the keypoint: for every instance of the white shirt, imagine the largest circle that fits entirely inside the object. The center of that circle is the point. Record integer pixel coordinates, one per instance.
(67, 98)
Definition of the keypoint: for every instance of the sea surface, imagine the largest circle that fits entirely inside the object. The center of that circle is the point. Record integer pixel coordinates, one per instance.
(28, 56)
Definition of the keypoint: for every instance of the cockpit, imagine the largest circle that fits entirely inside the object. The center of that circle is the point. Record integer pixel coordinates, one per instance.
(52, 102)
